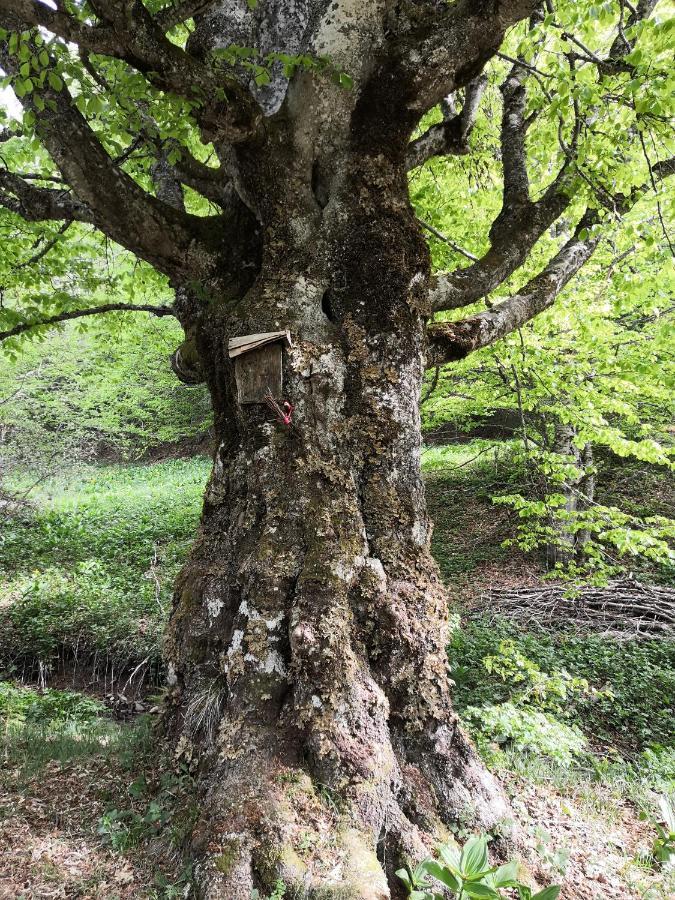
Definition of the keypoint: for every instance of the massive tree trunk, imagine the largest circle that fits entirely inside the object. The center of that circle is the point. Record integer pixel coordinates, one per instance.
(307, 642)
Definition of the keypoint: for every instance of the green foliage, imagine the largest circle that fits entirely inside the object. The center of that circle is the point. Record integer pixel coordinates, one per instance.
(529, 721)
(601, 358)
(120, 535)
(79, 396)
(124, 829)
(612, 535)
(628, 703)
(532, 686)
(39, 726)
(663, 848)
(49, 708)
(525, 730)
(260, 66)
(468, 873)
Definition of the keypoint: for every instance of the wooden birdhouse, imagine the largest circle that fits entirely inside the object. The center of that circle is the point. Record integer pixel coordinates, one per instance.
(258, 364)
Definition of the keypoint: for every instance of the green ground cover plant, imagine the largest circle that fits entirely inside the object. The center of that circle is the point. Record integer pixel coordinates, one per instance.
(89, 569)
(38, 726)
(618, 695)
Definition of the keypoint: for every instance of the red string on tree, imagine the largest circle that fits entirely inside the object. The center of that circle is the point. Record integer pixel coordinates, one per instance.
(282, 414)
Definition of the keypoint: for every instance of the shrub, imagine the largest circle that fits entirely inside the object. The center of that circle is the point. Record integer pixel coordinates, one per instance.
(525, 730)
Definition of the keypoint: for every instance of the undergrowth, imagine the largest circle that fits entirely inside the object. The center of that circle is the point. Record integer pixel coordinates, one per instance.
(41, 726)
(89, 570)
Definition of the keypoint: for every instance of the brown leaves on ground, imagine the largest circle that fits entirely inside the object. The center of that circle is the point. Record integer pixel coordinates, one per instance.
(49, 847)
(598, 841)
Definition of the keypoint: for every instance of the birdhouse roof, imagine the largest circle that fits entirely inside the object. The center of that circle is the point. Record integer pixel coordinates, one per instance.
(247, 342)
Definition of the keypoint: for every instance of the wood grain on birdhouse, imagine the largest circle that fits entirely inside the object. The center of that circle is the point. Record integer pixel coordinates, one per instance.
(258, 366)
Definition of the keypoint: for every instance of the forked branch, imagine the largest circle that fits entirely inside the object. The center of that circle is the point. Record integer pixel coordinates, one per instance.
(451, 341)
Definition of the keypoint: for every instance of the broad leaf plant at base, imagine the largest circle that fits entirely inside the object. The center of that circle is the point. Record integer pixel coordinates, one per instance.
(253, 160)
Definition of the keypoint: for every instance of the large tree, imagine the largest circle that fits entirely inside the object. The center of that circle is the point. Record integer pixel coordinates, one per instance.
(257, 154)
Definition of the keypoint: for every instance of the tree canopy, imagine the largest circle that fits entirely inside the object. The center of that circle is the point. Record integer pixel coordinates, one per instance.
(569, 124)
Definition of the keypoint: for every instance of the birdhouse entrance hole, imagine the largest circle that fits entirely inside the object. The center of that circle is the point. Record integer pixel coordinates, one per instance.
(258, 367)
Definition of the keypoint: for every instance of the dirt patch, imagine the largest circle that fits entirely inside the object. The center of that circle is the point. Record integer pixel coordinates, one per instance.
(50, 848)
(598, 851)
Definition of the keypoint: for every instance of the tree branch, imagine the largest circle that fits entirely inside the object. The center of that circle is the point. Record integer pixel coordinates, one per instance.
(132, 35)
(520, 223)
(451, 136)
(178, 12)
(23, 327)
(451, 341)
(36, 204)
(173, 241)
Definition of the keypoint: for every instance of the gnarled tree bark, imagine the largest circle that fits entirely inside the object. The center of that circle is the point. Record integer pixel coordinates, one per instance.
(307, 642)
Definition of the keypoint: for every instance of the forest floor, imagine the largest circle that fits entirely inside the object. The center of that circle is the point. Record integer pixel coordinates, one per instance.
(88, 810)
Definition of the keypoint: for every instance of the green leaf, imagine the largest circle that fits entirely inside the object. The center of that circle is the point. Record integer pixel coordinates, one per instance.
(549, 893)
(476, 889)
(55, 81)
(451, 857)
(506, 875)
(440, 873)
(404, 876)
(474, 858)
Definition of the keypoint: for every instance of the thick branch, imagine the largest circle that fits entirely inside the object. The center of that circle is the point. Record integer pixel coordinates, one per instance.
(180, 11)
(451, 136)
(174, 242)
(450, 341)
(36, 204)
(513, 133)
(454, 340)
(512, 241)
(131, 34)
(450, 49)
(212, 183)
(520, 223)
(622, 45)
(23, 327)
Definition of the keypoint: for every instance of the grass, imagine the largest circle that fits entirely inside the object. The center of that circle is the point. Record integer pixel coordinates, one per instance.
(89, 571)
(468, 529)
(39, 727)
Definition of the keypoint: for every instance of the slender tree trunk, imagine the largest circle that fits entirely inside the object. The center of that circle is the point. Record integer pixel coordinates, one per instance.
(307, 643)
(561, 549)
(586, 492)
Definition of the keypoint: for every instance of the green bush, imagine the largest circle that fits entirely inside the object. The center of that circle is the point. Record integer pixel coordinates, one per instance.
(525, 730)
(49, 708)
(632, 683)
